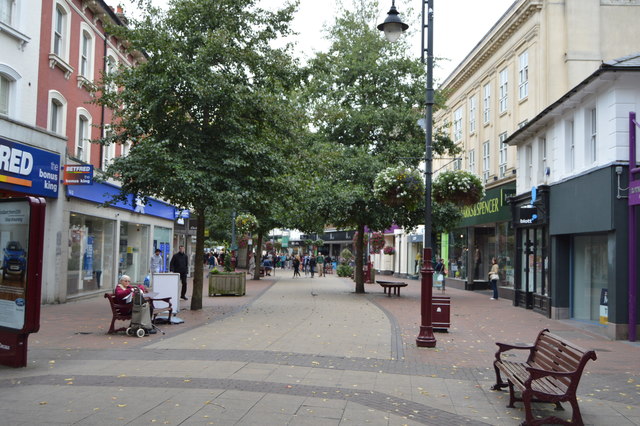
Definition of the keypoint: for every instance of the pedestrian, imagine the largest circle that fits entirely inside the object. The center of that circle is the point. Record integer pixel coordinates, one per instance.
(212, 261)
(312, 264)
(494, 277)
(180, 264)
(296, 266)
(155, 265)
(327, 264)
(440, 272)
(252, 264)
(320, 262)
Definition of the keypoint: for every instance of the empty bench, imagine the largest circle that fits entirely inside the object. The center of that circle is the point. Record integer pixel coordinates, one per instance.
(551, 373)
(391, 285)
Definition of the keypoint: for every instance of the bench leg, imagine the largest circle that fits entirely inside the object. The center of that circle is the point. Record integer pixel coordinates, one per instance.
(526, 399)
(576, 418)
(512, 396)
(499, 383)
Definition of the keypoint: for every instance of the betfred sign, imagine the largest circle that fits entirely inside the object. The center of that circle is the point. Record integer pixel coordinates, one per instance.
(77, 175)
(28, 170)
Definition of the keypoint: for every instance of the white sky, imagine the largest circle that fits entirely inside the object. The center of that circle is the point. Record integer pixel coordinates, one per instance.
(458, 25)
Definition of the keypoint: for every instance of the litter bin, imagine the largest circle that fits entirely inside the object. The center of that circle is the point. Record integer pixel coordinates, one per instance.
(441, 313)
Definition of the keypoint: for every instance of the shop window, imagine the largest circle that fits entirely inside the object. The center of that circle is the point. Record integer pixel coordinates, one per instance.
(90, 259)
(134, 255)
(590, 275)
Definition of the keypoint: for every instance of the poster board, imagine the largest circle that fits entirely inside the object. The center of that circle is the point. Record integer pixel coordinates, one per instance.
(166, 284)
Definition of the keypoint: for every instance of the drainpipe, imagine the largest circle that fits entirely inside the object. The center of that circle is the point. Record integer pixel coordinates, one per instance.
(633, 269)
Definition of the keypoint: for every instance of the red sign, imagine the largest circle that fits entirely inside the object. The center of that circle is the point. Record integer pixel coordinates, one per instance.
(77, 174)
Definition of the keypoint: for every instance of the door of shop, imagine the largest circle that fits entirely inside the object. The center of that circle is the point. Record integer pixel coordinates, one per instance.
(532, 289)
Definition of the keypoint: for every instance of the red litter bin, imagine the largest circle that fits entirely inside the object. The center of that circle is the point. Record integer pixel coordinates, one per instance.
(441, 313)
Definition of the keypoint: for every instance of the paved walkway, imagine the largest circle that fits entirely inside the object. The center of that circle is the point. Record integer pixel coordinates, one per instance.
(299, 352)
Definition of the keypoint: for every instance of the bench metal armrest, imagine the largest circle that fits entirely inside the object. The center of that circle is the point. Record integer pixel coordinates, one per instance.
(166, 300)
(537, 373)
(504, 347)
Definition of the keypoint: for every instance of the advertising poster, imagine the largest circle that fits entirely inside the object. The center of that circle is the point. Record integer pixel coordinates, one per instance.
(14, 238)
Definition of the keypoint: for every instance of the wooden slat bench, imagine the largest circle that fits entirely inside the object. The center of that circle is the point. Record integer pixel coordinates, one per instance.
(551, 373)
(391, 285)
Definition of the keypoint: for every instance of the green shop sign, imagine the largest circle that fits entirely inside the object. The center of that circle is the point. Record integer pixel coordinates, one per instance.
(492, 208)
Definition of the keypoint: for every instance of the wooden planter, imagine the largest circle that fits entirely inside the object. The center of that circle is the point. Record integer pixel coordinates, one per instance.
(227, 284)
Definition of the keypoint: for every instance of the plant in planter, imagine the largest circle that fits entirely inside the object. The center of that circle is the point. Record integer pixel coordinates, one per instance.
(389, 250)
(459, 187)
(308, 243)
(399, 186)
(346, 256)
(377, 242)
(246, 223)
(318, 243)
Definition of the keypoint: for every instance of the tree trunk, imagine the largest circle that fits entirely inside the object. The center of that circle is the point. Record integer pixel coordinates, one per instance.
(258, 256)
(198, 267)
(359, 259)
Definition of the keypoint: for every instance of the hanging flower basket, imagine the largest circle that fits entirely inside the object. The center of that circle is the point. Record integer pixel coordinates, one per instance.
(389, 250)
(399, 186)
(246, 224)
(377, 242)
(458, 187)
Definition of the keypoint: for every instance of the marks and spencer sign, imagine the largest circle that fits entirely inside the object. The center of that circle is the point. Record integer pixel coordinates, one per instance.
(28, 170)
(492, 208)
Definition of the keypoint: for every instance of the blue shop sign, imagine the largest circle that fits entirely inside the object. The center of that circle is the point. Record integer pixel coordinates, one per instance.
(103, 192)
(28, 170)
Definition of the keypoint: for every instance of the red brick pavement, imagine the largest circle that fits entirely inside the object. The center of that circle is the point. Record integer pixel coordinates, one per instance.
(83, 324)
(478, 322)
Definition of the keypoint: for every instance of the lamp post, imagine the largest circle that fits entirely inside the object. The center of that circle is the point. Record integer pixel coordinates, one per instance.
(393, 28)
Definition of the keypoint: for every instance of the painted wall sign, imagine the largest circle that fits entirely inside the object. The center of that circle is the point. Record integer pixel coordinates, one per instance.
(77, 174)
(28, 170)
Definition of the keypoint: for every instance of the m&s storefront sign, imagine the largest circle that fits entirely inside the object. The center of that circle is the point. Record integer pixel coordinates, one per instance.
(492, 208)
(28, 170)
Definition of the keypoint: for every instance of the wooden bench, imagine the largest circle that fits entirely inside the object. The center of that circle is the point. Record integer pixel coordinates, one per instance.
(391, 285)
(551, 373)
(122, 311)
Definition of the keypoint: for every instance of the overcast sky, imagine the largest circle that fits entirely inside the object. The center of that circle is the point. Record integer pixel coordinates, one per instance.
(458, 25)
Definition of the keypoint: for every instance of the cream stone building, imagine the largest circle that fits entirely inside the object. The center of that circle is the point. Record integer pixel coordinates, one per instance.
(533, 55)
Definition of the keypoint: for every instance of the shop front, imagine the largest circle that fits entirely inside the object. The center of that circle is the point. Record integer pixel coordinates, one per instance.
(530, 212)
(484, 233)
(107, 242)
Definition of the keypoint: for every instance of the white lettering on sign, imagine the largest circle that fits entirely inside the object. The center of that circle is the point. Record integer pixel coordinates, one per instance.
(15, 160)
(5, 347)
(85, 169)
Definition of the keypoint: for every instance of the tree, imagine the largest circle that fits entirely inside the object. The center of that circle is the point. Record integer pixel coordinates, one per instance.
(206, 105)
(366, 97)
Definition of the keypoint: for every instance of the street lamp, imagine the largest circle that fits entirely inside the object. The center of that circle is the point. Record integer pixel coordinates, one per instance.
(393, 28)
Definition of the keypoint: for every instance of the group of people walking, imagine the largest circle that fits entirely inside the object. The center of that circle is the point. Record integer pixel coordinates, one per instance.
(310, 264)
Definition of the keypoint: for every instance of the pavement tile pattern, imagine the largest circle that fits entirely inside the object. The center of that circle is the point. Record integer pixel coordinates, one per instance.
(299, 352)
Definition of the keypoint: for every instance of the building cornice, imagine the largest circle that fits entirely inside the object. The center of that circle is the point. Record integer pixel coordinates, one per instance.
(497, 36)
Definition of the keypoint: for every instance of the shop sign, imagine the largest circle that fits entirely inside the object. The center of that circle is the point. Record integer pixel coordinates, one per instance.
(74, 174)
(528, 214)
(28, 170)
(492, 208)
(285, 242)
(634, 193)
(105, 192)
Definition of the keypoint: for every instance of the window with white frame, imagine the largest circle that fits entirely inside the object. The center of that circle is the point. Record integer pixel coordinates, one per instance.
(126, 147)
(502, 154)
(457, 164)
(473, 107)
(83, 135)
(504, 90)
(472, 161)
(592, 131)
(529, 170)
(523, 75)
(457, 125)
(542, 145)
(571, 146)
(108, 151)
(486, 103)
(61, 27)
(486, 160)
(85, 66)
(6, 11)
(56, 116)
(5, 94)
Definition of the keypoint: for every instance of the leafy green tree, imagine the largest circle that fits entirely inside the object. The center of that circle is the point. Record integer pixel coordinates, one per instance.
(366, 96)
(204, 107)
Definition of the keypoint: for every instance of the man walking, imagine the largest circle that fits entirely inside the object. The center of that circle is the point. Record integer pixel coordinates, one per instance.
(180, 264)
